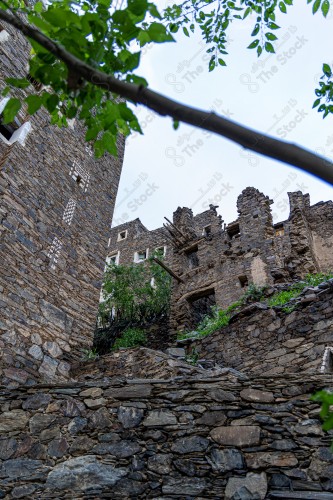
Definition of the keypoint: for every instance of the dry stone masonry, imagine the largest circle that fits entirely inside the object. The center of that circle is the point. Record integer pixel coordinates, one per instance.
(216, 262)
(56, 207)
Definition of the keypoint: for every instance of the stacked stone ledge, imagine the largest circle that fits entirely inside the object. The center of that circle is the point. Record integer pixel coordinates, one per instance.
(223, 437)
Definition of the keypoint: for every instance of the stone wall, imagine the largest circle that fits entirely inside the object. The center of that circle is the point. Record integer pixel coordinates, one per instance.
(57, 204)
(219, 261)
(230, 437)
(262, 340)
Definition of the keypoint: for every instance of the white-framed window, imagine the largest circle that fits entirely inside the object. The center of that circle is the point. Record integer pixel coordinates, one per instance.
(122, 235)
(160, 251)
(80, 175)
(69, 211)
(14, 131)
(207, 231)
(4, 35)
(141, 256)
(54, 252)
(327, 363)
(112, 259)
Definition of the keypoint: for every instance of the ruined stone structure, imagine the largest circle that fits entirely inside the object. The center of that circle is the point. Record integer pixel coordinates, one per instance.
(216, 262)
(57, 203)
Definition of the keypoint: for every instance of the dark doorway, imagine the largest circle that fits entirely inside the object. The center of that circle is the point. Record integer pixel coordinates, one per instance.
(200, 305)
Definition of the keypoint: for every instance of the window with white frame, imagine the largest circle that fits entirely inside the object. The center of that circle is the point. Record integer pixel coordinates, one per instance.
(4, 35)
(327, 363)
(160, 251)
(54, 252)
(80, 175)
(122, 235)
(69, 211)
(14, 131)
(141, 256)
(113, 259)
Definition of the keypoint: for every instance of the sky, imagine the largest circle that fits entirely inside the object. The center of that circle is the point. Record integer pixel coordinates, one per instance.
(167, 168)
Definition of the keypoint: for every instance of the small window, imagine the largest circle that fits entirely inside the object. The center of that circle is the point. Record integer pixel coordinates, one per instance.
(122, 235)
(69, 211)
(35, 83)
(80, 175)
(327, 363)
(141, 256)
(160, 252)
(192, 257)
(233, 230)
(207, 231)
(54, 252)
(278, 230)
(14, 131)
(243, 281)
(113, 259)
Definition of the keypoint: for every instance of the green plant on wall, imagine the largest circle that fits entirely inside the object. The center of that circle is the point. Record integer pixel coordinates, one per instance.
(134, 293)
(132, 337)
(326, 413)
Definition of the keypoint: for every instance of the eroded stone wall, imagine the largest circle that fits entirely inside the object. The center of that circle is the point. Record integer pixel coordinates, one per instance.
(57, 204)
(262, 340)
(228, 437)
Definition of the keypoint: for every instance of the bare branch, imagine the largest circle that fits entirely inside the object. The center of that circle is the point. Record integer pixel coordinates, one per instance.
(247, 138)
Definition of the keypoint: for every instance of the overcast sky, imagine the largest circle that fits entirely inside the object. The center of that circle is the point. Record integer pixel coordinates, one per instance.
(164, 168)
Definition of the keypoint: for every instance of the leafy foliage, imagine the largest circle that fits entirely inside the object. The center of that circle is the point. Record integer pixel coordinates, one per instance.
(111, 41)
(132, 337)
(89, 354)
(325, 92)
(129, 295)
(326, 413)
(254, 293)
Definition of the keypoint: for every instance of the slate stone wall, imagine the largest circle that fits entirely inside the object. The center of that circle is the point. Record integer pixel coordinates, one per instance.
(54, 231)
(262, 340)
(230, 437)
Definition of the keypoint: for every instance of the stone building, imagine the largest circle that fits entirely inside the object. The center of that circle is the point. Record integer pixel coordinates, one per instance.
(215, 262)
(57, 203)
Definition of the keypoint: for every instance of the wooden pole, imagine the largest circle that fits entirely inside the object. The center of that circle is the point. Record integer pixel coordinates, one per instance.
(168, 270)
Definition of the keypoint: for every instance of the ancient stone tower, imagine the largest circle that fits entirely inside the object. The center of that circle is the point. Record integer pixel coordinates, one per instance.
(57, 203)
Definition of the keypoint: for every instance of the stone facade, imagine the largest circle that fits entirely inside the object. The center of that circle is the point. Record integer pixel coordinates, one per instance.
(268, 341)
(57, 203)
(230, 437)
(216, 262)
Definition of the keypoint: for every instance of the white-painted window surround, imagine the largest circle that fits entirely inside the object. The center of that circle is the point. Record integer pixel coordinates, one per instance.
(21, 132)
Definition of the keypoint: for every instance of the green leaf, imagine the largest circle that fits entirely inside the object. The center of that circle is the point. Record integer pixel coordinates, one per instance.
(269, 47)
(221, 62)
(175, 124)
(259, 51)
(38, 7)
(273, 26)
(212, 64)
(34, 103)
(327, 70)
(158, 33)
(254, 44)
(13, 106)
(316, 103)
(256, 30)
(51, 102)
(185, 31)
(20, 83)
(316, 6)
(282, 7)
(271, 36)
(325, 7)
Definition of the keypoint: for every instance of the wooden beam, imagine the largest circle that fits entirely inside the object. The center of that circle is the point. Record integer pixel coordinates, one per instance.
(167, 269)
(179, 231)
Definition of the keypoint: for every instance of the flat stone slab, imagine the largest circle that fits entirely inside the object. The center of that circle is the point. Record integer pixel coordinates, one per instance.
(242, 435)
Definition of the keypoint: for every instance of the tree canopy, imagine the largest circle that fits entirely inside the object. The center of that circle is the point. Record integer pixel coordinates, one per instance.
(86, 53)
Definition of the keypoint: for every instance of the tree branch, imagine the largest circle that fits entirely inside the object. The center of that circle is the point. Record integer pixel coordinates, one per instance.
(250, 139)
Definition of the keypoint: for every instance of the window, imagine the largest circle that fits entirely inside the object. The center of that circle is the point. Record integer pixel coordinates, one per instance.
(279, 230)
(122, 235)
(243, 281)
(141, 256)
(113, 259)
(233, 230)
(54, 252)
(327, 363)
(35, 83)
(69, 211)
(207, 231)
(192, 257)
(14, 131)
(80, 175)
(4, 35)
(160, 252)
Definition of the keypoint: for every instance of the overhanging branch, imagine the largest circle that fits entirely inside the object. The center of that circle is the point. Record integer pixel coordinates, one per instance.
(245, 137)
